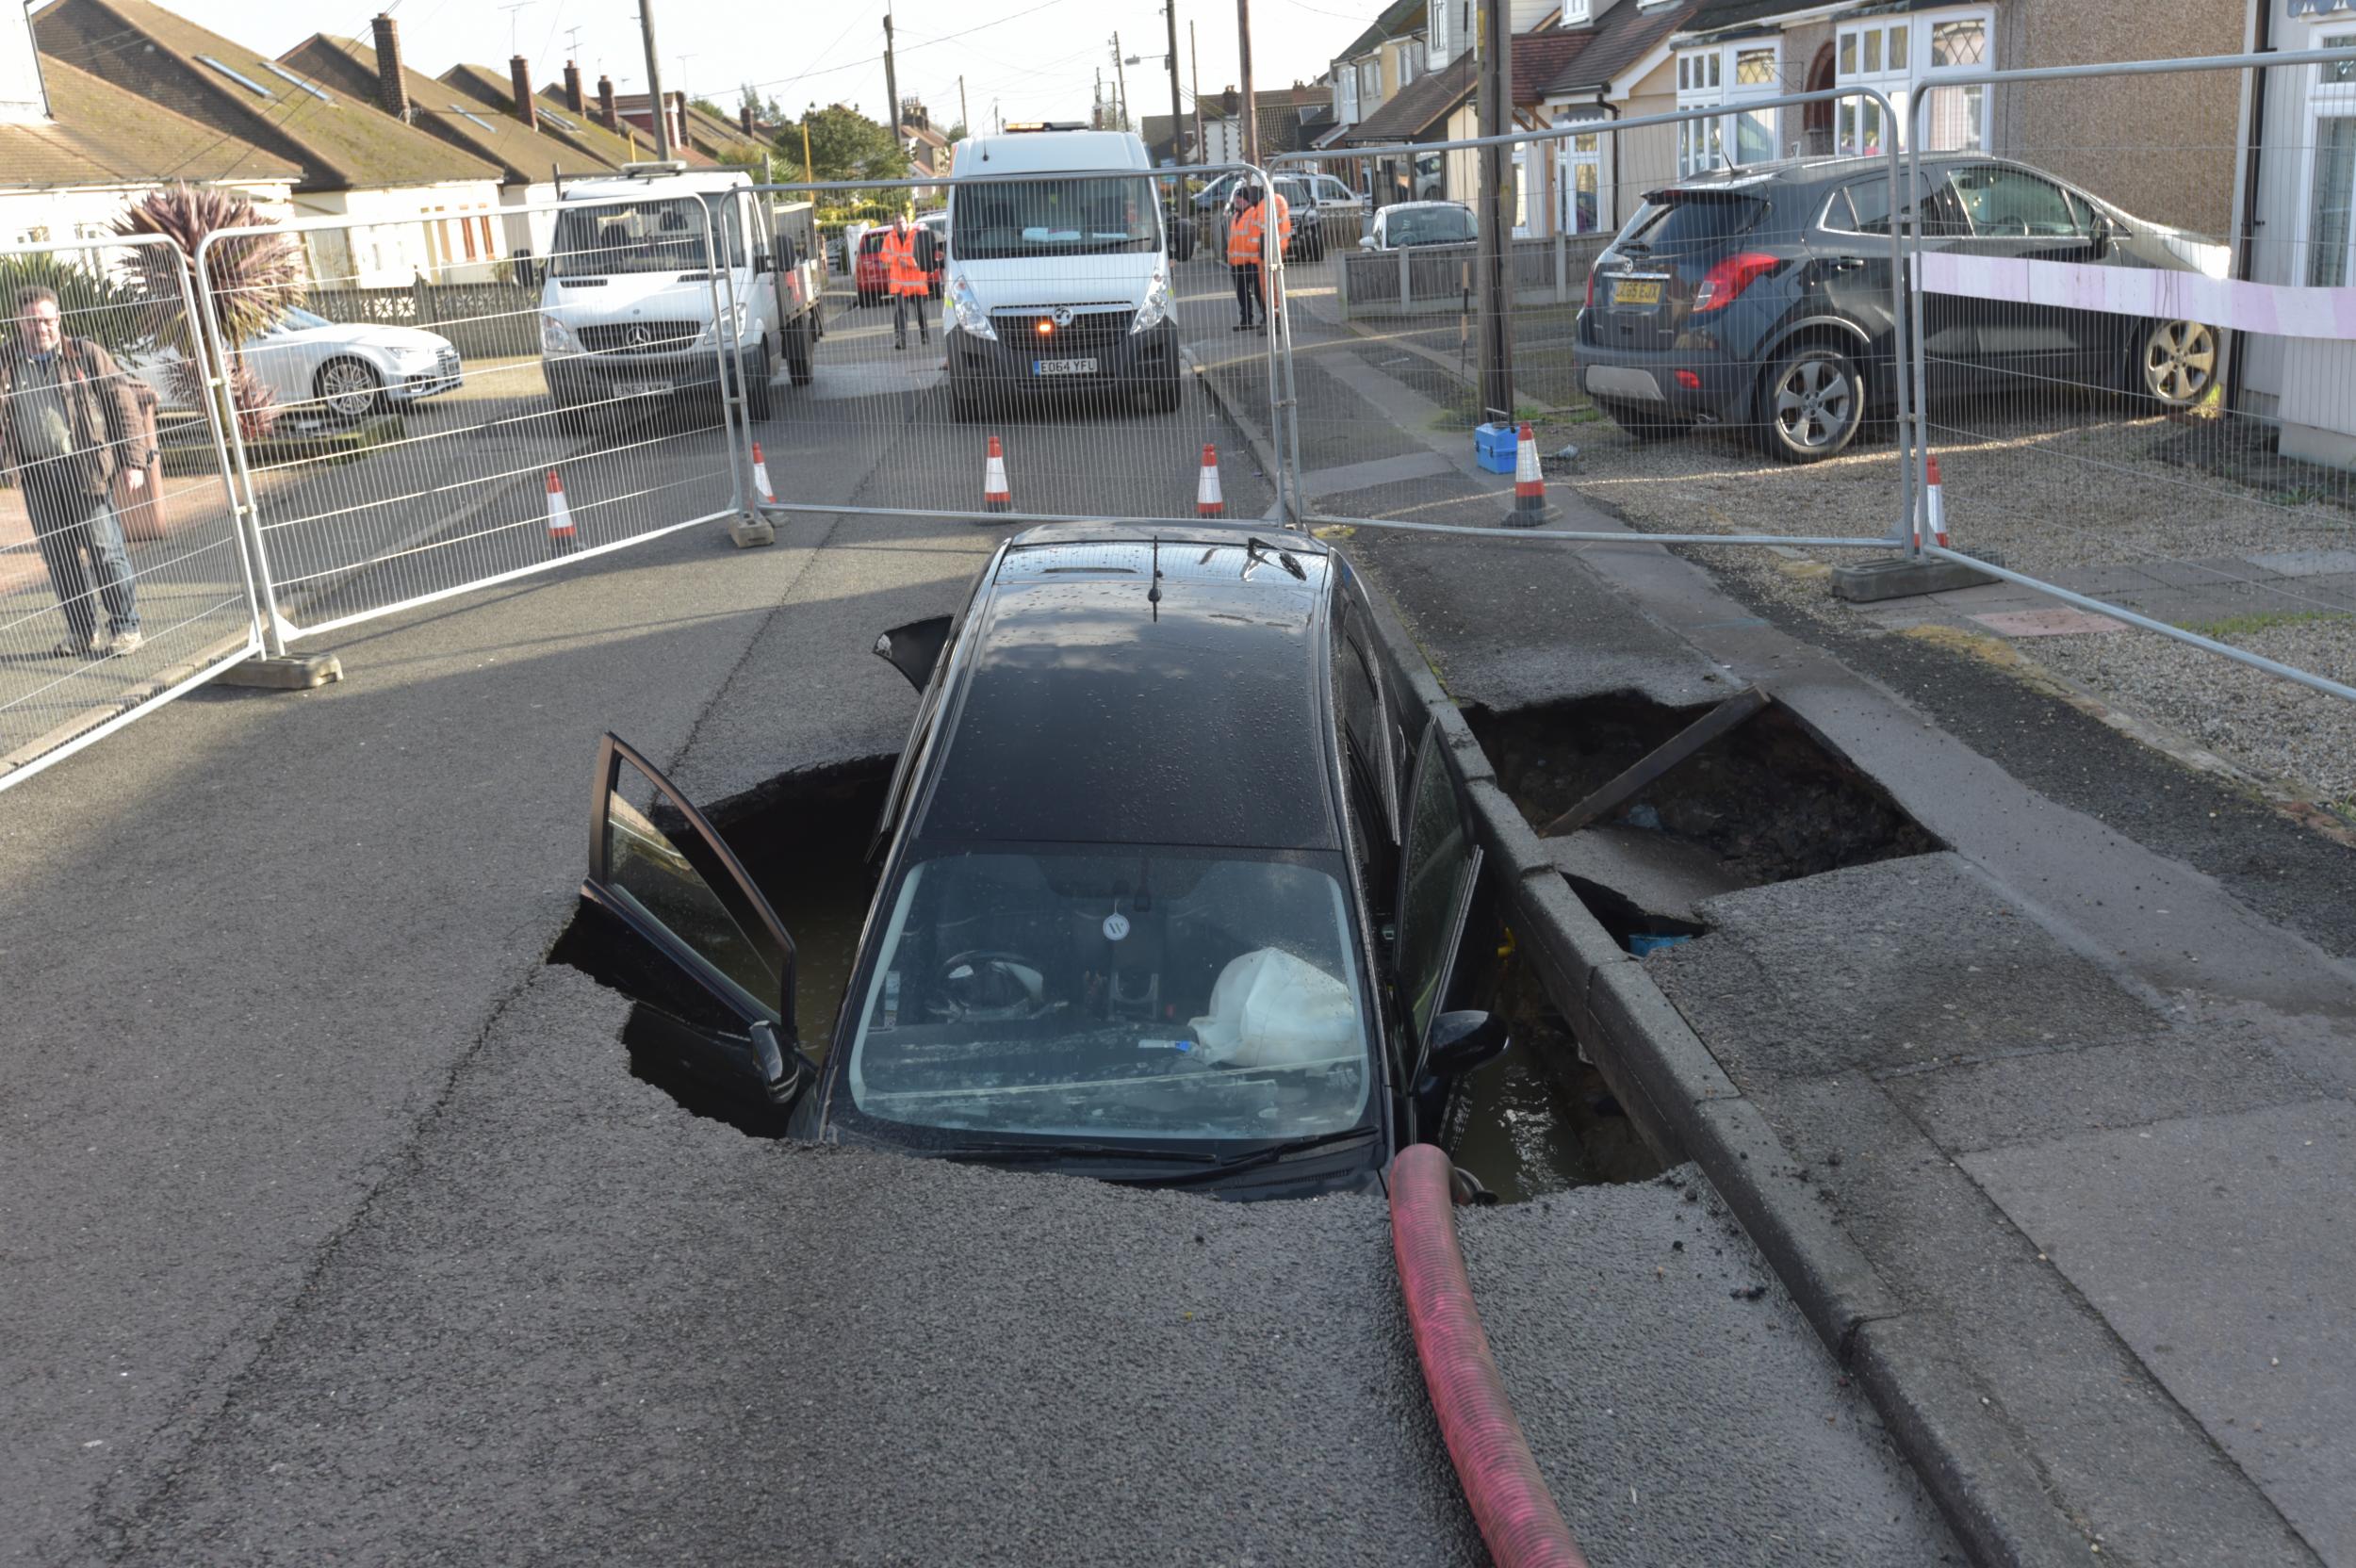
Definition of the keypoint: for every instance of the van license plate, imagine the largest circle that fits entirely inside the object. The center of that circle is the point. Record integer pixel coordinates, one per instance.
(1636, 292)
(1063, 366)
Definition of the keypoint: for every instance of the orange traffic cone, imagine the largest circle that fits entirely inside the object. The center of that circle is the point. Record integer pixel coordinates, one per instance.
(1935, 504)
(1529, 484)
(995, 496)
(560, 537)
(760, 478)
(1208, 502)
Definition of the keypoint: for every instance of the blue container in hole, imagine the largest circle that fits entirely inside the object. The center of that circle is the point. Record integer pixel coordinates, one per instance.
(1644, 942)
(1494, 446)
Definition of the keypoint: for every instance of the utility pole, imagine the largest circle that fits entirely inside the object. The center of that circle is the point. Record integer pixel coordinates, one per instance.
(809, 173)
(661, 117)
(1497, 298)
(1120, 78)
(1251, 109)
(1194, 85)
(961, 119)
(1177, 111)
(892, 92)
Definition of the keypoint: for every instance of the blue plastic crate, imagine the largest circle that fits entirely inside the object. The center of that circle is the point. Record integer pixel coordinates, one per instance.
(1494, 445)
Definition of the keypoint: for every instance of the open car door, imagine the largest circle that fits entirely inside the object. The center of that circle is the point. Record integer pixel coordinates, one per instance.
(1439, 870)
(701, 945)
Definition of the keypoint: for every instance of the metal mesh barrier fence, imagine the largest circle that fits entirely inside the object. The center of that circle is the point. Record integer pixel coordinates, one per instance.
(1710, 354)
(1037, 344)
(2140, 360)
(423, 411)
(122, 579)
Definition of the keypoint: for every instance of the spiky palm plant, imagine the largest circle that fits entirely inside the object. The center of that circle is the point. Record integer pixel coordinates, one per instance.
(256, 279)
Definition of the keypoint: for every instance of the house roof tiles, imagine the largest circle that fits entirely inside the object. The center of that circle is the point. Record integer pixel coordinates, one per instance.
(100, 135)
(340, 143)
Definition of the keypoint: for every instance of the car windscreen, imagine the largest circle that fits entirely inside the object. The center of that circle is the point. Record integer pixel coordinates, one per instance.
(1678, 221)
(1052, 215)
(599, 239)
(1143, 993)
(1429, 226)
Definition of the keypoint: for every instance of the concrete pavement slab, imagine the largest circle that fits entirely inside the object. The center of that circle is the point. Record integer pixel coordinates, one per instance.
(2218, 1247)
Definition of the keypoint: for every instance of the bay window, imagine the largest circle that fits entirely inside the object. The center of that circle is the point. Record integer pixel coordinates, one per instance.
(1578, 175)
(1890, 55)
(1728, 74)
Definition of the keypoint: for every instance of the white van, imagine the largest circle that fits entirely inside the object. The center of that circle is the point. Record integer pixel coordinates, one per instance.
(626, 303)
(1057, 277)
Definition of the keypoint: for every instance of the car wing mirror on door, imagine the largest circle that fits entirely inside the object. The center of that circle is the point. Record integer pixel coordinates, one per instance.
(914, 649)
(1462, 1042)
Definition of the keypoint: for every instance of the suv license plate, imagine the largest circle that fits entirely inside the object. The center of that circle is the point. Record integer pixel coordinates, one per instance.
(641, 388)
(1636, 292)
(1063, 366)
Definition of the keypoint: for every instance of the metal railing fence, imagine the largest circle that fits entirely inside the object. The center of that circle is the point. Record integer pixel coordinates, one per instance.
(1047, 362)
(1603, 361)
(392, 470)
(124, 585)
(2147, 423)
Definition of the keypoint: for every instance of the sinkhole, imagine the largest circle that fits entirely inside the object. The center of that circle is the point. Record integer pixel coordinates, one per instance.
(1537, 1120)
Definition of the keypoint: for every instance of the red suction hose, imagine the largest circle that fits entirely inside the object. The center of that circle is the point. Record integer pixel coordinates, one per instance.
(1509, 1497)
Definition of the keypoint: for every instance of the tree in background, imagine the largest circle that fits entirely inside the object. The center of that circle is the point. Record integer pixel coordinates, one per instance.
(845, 144)
(956, 133)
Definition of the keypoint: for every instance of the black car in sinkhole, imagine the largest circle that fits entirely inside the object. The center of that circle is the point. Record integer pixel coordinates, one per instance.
(1160, 894)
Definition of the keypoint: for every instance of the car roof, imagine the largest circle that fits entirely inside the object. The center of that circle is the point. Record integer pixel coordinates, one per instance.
(1087, 713)
(1404, 207)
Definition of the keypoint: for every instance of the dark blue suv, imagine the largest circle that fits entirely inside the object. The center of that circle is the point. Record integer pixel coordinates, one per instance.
(1159, 894)
(1761, 297)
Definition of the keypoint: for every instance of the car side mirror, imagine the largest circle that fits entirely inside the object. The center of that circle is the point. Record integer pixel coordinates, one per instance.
(914, 649)
(1366, 242)
(2105, 233)
(1462, 1042)
(761, 264)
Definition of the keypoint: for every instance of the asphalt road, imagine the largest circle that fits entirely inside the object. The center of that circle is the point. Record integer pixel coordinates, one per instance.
(337, 1230)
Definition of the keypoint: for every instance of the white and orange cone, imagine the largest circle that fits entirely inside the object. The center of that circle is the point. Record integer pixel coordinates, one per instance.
(1208, 502)
(561, 536)
(1934, 504)
(995, 496)
(760, 478)
(1529, 484)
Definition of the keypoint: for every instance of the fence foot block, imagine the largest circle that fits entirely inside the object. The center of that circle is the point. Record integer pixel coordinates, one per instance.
(1863, 582)
(290, 672)
(750, 532)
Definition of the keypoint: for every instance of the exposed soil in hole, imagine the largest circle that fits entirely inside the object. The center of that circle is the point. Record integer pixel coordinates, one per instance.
(1538, 1120)
(1769, 801)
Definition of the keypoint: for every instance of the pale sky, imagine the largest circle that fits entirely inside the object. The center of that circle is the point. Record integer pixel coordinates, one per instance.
(1036, 60)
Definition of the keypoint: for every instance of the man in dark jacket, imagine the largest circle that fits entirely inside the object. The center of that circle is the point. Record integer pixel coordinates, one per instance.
(67, 425)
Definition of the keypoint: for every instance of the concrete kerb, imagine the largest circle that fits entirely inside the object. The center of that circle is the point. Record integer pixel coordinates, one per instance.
(1683, 1101)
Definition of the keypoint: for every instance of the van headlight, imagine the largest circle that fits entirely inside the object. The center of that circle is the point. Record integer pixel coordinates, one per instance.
(968, 309)
(711, 329)
(1157, 305)
(556, 337)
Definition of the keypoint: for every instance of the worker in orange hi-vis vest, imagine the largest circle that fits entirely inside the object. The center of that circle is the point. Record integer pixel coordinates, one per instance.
(1246, 234)
(907, 252)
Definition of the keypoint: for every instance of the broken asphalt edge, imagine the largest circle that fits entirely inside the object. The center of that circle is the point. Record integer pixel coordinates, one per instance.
(1975, 1467)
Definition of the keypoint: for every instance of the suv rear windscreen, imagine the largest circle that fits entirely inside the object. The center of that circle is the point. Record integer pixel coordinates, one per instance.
(1057, 215)
(1676, 221)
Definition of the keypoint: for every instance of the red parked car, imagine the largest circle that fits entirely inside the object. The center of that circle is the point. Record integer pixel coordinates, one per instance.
(869, 275)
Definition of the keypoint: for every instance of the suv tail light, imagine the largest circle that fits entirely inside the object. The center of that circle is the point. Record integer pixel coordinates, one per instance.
(1591, 285)
(1723, 284)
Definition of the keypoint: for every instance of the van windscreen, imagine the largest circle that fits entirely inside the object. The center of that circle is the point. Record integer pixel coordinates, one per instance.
(1058, 215)
(598, 238)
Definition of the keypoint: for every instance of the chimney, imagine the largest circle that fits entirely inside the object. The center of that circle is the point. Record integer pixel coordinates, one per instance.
(606, 116)
(519, 77)
(679, 119)
(1230, 102)
(572, 88)
(392, 91)
(744, 119)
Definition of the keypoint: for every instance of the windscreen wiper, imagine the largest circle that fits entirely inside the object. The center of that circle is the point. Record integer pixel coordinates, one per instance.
(1029, 1154)
(1275, 1151)
(1256, 550)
